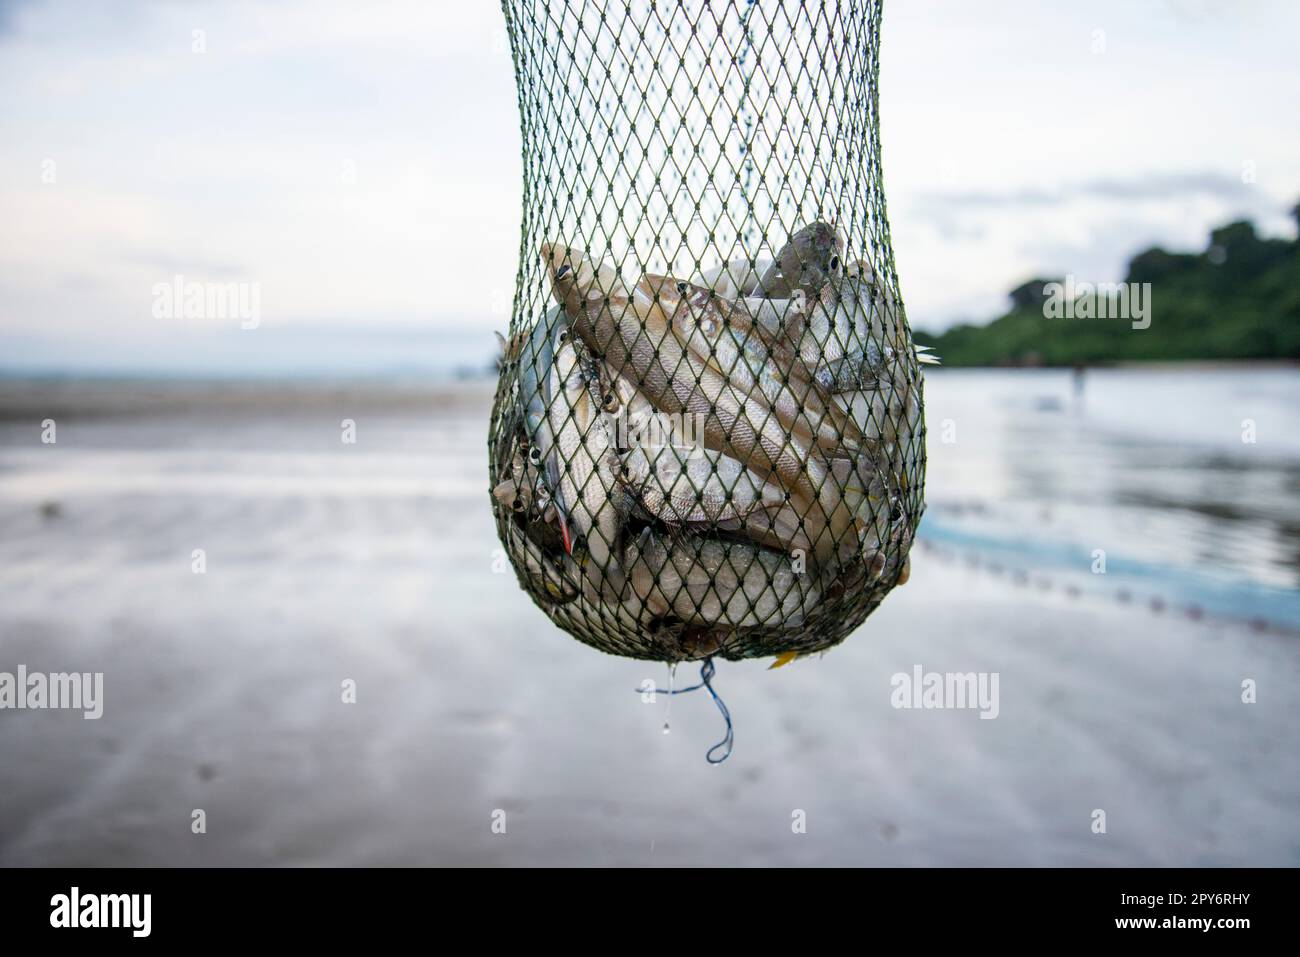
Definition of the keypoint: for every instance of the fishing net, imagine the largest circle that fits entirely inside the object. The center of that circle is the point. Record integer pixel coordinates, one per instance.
(707, 439)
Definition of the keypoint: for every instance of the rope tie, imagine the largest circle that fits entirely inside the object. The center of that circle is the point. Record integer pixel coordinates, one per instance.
(707, 671)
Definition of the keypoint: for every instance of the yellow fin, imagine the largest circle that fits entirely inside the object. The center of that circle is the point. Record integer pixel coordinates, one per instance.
(783, 659)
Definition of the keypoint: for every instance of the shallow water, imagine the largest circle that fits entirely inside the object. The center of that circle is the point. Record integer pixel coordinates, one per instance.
(376, 563)
(1147, 466)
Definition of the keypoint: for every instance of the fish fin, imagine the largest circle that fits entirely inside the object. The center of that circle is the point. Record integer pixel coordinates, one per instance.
(783, 659)
(564, 533)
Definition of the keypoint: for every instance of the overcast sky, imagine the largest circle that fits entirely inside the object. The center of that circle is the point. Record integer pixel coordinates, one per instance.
(360, 161)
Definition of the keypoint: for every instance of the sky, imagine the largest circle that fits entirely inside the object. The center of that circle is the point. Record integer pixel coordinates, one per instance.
(360, 163)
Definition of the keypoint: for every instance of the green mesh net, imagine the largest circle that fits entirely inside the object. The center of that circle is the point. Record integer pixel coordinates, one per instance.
(708, 435)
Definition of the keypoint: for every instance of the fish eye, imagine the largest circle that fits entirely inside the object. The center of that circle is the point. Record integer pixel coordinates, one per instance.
(835, 263)
(562, 271)
(564, 334)
(517, 505)
(681, 287)
(535, 455)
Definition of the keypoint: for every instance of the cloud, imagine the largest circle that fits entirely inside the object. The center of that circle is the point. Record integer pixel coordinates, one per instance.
(362, 161)
(1146, 187)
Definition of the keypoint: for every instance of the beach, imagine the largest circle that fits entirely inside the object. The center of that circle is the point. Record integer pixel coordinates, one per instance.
(315, 643)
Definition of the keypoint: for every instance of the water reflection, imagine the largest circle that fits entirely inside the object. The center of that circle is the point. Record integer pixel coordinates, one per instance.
(1186, 479)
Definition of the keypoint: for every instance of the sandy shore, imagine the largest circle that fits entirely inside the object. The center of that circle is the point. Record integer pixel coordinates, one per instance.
(374, 562)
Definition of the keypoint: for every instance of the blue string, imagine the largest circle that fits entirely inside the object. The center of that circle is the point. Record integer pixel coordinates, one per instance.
(707, 671)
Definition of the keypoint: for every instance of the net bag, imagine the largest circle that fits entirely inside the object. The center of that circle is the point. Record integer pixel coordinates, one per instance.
(708, 438)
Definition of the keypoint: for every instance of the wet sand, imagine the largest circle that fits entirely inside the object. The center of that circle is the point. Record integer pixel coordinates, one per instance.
(373, 563)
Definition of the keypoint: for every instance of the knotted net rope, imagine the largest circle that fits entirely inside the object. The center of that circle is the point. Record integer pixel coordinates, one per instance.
(708, 437)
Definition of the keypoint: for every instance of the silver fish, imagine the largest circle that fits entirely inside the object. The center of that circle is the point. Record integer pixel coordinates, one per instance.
(536, 355)
(684, 486)
(681, 349)
(845, 342)
(845, 338)
(630, 399)
(583, 462)
(810, 258)
(891, 412)
(828, 529)
(778, 319)
(734, 279)
(631, 332)
(706, 582)
(728, 343)
(520, 490)
(790, 527)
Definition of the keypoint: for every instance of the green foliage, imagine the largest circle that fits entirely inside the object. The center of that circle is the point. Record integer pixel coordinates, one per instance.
(1240, 299)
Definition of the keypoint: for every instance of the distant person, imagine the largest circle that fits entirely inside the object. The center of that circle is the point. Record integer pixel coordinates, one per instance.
(1078, 380)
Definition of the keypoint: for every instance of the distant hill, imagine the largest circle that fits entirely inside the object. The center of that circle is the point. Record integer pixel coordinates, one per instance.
(1239, 299)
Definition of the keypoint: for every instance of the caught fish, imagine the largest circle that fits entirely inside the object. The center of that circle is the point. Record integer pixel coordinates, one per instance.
(520, 491)
(845, 341)
(854, 494)
(820, 525)
(734, 279)
(536, 358)
(792, 392)
(790, 527)
(685, 486)
(891, 412)
(730, 345)
(630, 404)
(703, 581)
(555, 576)
(631, 332)
(810, 258)
(582, 464)
(778, 319)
